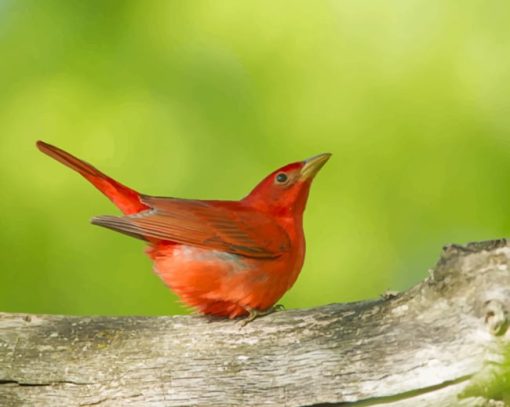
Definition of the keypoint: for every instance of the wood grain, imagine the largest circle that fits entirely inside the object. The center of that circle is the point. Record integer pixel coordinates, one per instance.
(427, 346)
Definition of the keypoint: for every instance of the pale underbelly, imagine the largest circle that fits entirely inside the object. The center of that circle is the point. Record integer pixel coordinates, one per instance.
(217, 282)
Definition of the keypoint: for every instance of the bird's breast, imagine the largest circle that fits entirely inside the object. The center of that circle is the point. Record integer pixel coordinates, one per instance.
(221, 282)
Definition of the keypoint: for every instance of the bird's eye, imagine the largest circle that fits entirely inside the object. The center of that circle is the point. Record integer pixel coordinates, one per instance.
(281, 178)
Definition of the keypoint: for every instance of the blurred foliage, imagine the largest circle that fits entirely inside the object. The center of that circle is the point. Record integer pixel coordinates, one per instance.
(202, 99)
(493, 381)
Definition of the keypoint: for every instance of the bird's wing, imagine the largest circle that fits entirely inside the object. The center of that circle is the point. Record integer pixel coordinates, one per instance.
(225, 226)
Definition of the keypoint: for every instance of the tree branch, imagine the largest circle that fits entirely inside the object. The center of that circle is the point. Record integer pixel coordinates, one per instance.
(435, 344)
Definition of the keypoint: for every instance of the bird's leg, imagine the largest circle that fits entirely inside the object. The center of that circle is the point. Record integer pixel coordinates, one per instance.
(254, 313)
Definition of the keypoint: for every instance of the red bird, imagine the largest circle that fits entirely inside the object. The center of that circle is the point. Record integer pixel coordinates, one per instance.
(224, 258)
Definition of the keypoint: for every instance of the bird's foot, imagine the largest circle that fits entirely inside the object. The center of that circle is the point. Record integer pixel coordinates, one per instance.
(254, 313)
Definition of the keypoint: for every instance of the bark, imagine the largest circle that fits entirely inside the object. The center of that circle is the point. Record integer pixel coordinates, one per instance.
(443, 342)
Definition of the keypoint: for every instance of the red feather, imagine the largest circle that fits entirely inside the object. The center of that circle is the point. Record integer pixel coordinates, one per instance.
(223, 258)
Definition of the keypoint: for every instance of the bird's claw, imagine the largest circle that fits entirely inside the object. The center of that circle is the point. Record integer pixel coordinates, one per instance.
(254, 313)
(278, 308)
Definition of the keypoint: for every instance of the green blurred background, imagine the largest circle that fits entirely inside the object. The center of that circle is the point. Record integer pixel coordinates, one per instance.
(202, 99)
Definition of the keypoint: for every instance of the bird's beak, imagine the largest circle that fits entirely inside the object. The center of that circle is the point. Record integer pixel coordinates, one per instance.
(313, 165)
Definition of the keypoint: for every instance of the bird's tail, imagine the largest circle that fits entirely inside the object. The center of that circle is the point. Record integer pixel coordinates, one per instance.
(126, 199)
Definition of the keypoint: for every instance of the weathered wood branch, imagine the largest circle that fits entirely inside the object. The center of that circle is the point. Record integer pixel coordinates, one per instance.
(434, 345)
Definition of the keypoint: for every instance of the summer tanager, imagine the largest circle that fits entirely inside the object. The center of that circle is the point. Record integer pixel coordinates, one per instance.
(224, 258)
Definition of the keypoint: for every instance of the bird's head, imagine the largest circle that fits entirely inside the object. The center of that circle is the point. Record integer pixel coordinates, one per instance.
(284, 192)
